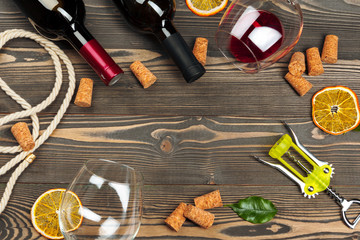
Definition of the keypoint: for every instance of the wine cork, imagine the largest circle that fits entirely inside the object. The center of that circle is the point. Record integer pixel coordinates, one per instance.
(23, 136)
(300, 84)
(84, 93)
(314, 63)
(176, 219)
(200, 49)
(330, 49)
(297, 64)
(145, 77)
(209, 200)
(199, 216)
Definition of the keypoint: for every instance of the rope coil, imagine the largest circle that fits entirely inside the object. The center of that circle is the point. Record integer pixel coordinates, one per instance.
(56, 54)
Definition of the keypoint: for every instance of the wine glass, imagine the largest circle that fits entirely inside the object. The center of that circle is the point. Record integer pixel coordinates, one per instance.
(253, 34)
(110, 196)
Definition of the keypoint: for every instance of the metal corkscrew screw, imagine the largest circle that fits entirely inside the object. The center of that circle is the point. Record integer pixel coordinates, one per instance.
(345, 204)
(333, 195)
(317, 177)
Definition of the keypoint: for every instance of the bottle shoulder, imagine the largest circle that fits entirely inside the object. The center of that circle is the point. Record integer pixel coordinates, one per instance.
(53, 15)
(146, 15)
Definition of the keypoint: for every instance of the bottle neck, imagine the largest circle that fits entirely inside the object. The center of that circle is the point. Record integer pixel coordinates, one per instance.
(179, 51)
(78, 35)
(75, 31)
(166, 30)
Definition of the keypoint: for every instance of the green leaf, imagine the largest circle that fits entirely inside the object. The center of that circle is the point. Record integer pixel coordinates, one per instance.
(254, 209)
(357, 128)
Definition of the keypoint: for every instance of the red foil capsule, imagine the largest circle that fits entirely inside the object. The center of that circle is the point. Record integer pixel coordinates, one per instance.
(101, 62)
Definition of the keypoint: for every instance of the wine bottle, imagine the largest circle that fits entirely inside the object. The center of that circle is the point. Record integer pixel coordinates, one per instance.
(155, 16)
(64, 20)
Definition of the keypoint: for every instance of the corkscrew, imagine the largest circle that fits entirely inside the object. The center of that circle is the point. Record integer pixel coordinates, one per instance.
(318, 173)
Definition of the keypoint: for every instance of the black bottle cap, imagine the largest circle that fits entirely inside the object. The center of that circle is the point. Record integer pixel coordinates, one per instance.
(183, 57)
(193, 72)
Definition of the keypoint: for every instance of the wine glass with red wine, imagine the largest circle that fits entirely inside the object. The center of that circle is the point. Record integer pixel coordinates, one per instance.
(253, 34)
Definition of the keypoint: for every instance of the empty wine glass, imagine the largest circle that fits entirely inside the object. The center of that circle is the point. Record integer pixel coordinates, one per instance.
(253, 34)
(111, 202)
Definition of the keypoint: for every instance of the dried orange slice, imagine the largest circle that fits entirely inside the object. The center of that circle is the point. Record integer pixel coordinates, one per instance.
(206, 8)
(44, 213)
(335, 110)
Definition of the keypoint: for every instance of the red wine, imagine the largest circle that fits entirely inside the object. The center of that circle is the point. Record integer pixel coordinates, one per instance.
(256, 36)
(155, 16)
(64, 19)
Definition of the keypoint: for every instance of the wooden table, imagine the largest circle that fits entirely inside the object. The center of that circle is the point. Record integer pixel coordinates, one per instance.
(186, 139)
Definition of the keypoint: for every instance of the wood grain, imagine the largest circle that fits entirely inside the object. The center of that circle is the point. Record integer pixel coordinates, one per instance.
(212, 152)
(201, 150)
(186, 139)
(297, 217)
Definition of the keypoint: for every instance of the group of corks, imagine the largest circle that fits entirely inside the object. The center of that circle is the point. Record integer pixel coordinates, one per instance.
(196, 213)
(84, 93)
(147, 78)
(296, 68)
(314, 64)
(144, 75)
(21, 131)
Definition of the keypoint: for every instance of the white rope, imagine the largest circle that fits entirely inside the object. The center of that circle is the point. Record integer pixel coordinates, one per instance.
(56, 54)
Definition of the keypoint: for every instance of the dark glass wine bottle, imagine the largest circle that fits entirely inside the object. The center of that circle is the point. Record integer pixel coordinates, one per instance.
(155, 16)
(64, 19)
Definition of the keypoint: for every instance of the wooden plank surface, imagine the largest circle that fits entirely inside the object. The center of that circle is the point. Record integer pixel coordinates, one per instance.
(202, 150)
(298, 217)
(222, 90)
(210, 152)
(186, 139)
